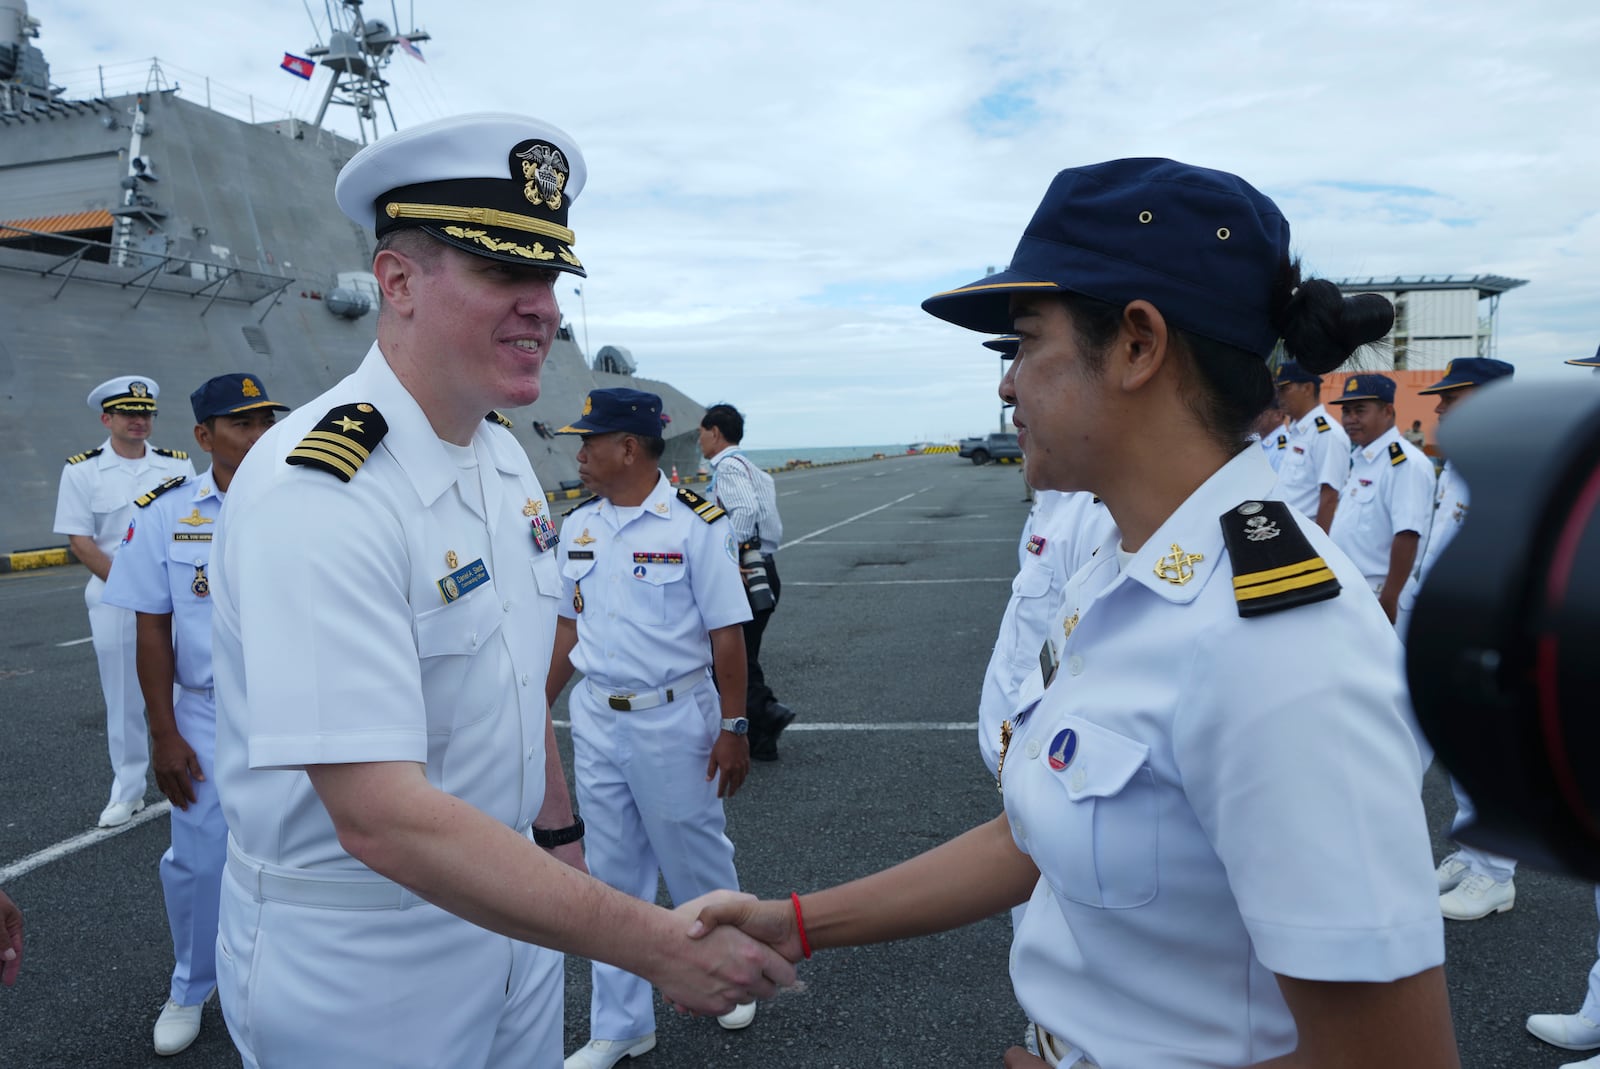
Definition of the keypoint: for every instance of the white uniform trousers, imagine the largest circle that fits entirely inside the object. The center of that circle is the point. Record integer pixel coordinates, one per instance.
(648, 812)
(126, 735)
(191, 869)
(1591, 999)
(1497, 868)
(317, 987)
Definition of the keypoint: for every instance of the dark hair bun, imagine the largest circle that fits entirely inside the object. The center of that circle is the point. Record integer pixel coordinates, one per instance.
(1322, 327)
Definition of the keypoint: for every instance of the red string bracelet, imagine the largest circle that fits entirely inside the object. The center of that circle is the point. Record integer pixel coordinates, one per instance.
(800, 923)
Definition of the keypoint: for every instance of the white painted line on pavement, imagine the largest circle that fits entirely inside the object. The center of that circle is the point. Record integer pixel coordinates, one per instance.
(852, 519)
(79, 842)
(75, 642)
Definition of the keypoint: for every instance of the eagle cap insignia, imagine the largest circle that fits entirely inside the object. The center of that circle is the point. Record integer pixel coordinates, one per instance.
(544, 170)
(249, 388)
(138, 389)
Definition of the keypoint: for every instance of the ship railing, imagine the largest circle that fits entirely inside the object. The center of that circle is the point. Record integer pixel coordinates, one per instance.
(167, 275)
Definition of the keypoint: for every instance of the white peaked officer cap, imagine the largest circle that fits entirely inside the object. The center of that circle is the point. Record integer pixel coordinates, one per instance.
(125, 393)
(493, 185)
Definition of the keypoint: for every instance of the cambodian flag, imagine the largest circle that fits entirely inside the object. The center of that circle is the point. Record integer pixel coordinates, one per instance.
(298, 66)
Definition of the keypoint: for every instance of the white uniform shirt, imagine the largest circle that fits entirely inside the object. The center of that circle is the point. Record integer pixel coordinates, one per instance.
(1381, 498)
(96, 495)
(1274, 446)
(1062, 530)
(333, 642)
(655, 580)
(1450, 505)
(746, 493)
(1176, 840)
(163, 566)
(1318, 452)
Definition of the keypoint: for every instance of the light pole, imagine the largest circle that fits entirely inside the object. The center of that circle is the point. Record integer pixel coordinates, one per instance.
(583, 308)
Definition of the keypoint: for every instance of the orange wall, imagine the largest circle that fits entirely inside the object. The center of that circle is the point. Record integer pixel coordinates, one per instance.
(1408, 404)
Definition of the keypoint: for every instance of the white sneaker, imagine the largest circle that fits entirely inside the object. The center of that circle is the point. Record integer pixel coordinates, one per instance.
(1569, 1031)
(119, 813)
(178, 1026)
(1587, 1063)
(1451, 871)
(1476, 897)
(604, 1053)
(738, 1017)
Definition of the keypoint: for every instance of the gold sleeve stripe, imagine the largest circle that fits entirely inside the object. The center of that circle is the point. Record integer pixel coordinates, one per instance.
(320, 456)
(1310, 579)
(483, 217)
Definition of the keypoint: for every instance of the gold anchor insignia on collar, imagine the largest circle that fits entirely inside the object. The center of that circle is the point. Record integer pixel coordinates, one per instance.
(583, 539)
(450, 558)
(532, 508)
(1069, 625)
(1177, 567)
(194, 519)
(661, 507)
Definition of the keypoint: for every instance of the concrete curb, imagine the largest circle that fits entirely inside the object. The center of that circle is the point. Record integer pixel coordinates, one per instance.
(25, 560)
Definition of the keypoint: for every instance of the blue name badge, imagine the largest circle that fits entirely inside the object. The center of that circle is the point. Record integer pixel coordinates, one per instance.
(463, 580)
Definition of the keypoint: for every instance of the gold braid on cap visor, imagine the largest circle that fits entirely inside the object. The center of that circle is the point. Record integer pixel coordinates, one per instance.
(481, 216)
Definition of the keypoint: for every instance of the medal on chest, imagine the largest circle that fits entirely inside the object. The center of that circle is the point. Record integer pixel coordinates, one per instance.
(577, 597)
(201, 585)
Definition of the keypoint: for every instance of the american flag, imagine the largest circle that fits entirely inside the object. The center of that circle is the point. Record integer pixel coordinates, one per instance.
(409, 48)
(299, 66)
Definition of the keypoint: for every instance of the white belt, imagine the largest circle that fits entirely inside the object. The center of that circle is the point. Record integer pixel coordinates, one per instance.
(1058, 1052)
(630, 701)
(328, 890)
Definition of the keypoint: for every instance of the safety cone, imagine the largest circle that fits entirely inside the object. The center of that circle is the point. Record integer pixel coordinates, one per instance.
(674, 475)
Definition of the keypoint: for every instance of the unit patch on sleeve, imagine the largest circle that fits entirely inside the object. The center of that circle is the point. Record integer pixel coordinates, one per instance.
(1274, 567)
(341, 443)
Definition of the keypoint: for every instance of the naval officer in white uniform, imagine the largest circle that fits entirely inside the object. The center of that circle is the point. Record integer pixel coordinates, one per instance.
(162, 574)
(385, 611)
(1316, 457)
(1161, 815)
(93, 506)
(651, 598)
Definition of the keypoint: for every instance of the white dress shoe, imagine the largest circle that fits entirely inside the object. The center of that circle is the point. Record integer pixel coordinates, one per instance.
(119, 813)
(604, 1053)
(1451, 871)
(1569, 1031)
(738, 1017)
(1476, 897)
(1587, 1063)
(178, 1026)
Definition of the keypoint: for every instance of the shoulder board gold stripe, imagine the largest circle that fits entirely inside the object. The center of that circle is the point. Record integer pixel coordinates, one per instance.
(1316, 578)
(1252, 578)
(318, 456)
(349, 445)
(481, 216)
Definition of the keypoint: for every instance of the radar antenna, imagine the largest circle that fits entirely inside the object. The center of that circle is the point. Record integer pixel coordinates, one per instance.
(358, 56)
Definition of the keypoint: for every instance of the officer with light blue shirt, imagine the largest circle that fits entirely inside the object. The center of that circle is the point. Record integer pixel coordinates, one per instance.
(162, 574)
(652, 600)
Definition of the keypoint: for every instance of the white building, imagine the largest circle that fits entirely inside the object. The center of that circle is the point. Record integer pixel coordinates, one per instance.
(1437, 318)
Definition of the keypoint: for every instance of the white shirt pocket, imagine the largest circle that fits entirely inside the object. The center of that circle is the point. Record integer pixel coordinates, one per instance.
(448, 640)
(659, 592)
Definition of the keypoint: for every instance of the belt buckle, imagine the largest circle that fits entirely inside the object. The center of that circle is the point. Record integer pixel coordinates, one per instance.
(620, 702)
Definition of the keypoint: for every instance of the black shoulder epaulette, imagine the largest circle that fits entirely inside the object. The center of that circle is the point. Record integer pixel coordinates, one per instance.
(586, 501)
(79, 458)
(144, 500)
(495, 417)
(1397, 454)
(342, 442)
(175, 454)
(709, 511)
(1274, 567)
(1283, 441)
(1323, 425)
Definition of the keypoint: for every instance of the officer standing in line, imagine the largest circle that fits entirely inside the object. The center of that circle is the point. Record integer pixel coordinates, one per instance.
(162, 576)
(747, 495)
(651, 600)
(1473, 883)
(404, 868)
(1387, 500)
(1317, 461)
(1270, 434)
(92, 510)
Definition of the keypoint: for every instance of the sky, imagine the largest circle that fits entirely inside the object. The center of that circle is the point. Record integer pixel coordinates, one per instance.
(775, 187)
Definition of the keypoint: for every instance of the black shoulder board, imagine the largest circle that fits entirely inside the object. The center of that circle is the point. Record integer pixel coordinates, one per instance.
(1397, 454)
(1283, 441)
(144, 500)
(495, 417)
(1274, 567)
(79, 458)
(579, 505)
(1323, 425)
(175, 454)
(706, 510)
(342, 442)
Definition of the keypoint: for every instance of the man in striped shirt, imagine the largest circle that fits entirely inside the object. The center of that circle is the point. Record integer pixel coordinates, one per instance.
(746, 493)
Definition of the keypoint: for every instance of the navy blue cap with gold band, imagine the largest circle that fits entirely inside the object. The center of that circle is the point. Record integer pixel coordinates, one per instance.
(1203, 246)
(1006, 345)
(1592, 361)
(133, 395)
(228, 395)
(1290, 371)
(1470, 371)
(618, 409)
(1368, 386)
(494, 185)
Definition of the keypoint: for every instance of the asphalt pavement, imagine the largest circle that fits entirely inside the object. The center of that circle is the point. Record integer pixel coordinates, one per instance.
(895, 574)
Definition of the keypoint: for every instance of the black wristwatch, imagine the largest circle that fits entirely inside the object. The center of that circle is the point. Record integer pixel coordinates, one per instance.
(736, 724)
(553, 837)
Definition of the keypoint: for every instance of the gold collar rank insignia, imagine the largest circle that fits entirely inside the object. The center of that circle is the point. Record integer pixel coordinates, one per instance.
(1177, 567)
(584, 539)
(194, 519)
(450, 559)
(661, 507)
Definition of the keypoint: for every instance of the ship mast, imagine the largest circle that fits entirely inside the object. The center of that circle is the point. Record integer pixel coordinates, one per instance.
(358, 56)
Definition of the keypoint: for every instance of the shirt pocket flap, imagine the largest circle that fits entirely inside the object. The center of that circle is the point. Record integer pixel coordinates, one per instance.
(659, 574)
(461, 627)
(189, 554)
(1032, 581)
(571, 569)
(1103, 761)
(547, 575)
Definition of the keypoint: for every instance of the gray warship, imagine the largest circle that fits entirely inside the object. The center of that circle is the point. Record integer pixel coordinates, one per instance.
(147, 233)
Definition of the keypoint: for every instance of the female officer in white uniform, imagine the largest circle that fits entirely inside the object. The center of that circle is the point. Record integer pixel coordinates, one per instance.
(1172, 814)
